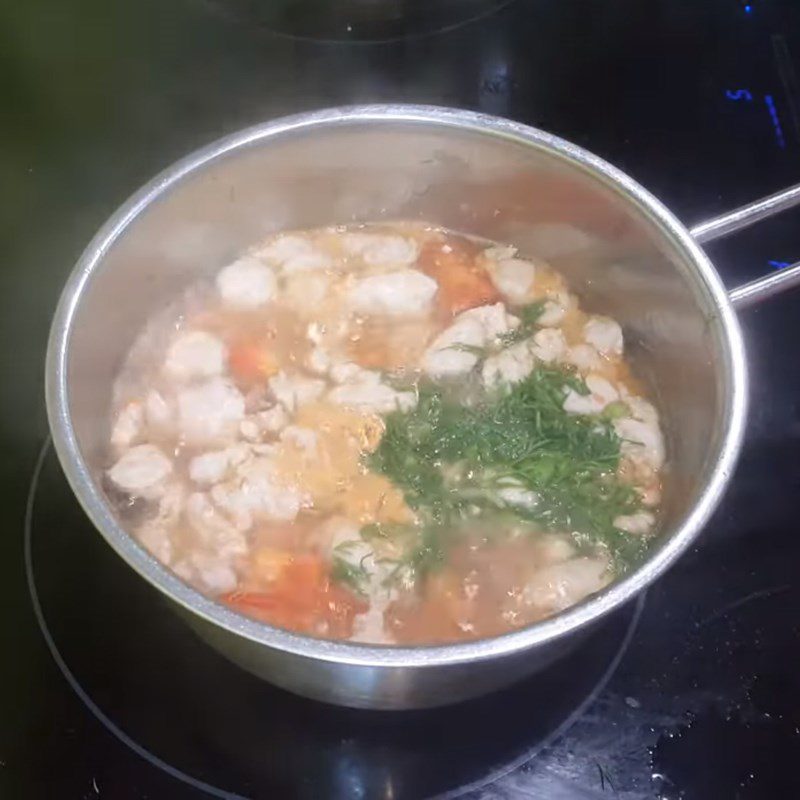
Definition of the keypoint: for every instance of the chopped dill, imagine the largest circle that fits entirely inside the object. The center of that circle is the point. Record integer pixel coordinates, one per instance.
(528, 322)
(472, 349)
(353, 575)
(450, 460)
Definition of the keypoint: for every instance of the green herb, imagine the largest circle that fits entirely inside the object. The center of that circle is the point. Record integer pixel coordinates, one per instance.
(529, 314)
(451, 460)
(528, 322)
(423, 546)
(475, 350)
(425, 556)
(615, 410)
(353, 575)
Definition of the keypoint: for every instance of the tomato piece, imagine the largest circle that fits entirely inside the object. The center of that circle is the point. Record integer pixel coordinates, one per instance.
(250, 361)
(342, 606)
(463, 282)
(302, 599)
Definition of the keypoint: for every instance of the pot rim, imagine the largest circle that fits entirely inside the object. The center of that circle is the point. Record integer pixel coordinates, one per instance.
(96, 507)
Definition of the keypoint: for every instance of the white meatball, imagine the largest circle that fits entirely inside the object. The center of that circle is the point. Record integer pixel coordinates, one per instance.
(312, 261)
(450, 354)
(210, 412)
(349, 372)
(213, 574)
(273, 419)
(509, 366)
(128, 425)
(519, 496)
(207, 572)
(293, 391)
(513, 278)
(159, 412)
(305, 291)
(141, 471)
(500, 252)
(605, 335)
(376, 398)
(642, 442)
(264, 423)
(639, 524)
(650, 493)
(584, 357)
(247, 283)
(553, 548)
(283, 248)
(214, 466)
(256, 493)
(401, 293)
(156, 534)
(641, 409)
(249, 429)
(561, 585)
(494, 320)
(549, 345)
(156, 539)
(448, 360)
(338, 538)
(195, 354)
(601, 393)
(554, 311)
(214, 532)
(319, 361)
(381, 250)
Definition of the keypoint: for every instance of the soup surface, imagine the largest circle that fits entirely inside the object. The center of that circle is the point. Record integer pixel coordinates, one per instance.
(390, 434)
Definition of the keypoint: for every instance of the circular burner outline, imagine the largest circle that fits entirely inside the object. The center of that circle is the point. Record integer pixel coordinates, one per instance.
(108, 723)
(576, 714)
(215, 791)
(240, 18)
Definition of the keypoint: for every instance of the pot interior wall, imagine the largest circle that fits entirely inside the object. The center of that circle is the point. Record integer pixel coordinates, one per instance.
(615, 257)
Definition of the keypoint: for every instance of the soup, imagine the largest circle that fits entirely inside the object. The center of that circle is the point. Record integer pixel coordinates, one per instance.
(391, 434)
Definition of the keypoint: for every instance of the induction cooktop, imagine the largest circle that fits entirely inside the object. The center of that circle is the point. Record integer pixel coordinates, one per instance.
(690, 692)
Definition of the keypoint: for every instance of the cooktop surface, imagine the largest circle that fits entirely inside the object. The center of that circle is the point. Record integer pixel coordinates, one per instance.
(690, 692)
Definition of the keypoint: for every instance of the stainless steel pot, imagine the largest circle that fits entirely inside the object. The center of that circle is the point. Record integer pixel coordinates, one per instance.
(624, 252)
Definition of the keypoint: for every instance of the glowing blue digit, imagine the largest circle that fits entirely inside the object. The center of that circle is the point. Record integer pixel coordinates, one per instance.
(776, 120)
(738, 94)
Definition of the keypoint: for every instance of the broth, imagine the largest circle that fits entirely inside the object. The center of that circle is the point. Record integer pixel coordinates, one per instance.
(392, 434)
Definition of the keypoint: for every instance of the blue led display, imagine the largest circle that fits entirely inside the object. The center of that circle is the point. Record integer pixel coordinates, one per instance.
(738, 94)
(778, 264)
(776, 122)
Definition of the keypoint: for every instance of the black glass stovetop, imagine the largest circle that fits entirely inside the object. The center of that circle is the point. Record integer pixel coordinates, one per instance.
(691, 692)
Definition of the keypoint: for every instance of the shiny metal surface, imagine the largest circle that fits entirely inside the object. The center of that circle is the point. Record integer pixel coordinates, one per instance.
(629, 256)
(762, 288)
(746, 215)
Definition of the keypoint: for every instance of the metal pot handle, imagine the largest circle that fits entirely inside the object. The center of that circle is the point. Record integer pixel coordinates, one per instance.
(760, 289)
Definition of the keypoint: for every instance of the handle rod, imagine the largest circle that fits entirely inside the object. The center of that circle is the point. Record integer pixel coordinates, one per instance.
(760, 289)
(747, 215)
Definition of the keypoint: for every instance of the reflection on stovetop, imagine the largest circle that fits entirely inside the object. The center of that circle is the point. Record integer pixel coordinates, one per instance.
(697, 101)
